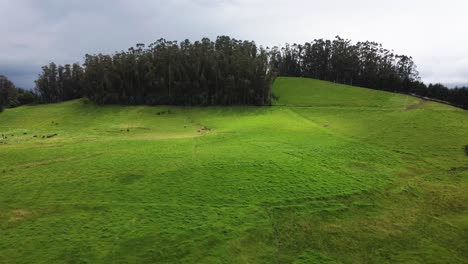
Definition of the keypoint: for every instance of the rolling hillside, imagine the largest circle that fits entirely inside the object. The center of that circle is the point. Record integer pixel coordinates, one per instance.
(329, 174)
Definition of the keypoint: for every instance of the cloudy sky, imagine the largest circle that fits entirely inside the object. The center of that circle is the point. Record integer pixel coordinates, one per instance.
(35, 32)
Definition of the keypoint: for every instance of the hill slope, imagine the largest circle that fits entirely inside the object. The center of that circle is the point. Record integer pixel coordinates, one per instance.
(331, 173)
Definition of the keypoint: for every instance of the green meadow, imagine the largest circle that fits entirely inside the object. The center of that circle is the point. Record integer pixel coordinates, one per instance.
(329, 174)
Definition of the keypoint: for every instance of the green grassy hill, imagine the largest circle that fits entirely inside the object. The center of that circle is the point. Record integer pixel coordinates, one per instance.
(329, 174)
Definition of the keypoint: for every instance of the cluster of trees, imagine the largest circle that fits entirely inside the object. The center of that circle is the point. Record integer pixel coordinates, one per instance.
(60, 83)
(366, 64)
(224, 72)
(11, 96)
(457, 96)
(229, 71)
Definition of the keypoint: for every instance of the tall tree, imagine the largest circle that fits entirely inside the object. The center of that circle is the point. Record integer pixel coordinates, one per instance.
(8, 93)
(228, 71)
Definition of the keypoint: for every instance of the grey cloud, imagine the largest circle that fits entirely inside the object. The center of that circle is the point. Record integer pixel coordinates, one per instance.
(64, 31)
(22, 75)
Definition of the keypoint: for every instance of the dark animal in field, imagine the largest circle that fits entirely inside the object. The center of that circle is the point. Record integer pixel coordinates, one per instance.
(51, 136)
(164, 112)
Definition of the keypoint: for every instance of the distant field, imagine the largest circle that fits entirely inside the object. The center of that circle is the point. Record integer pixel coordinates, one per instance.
(329, 174)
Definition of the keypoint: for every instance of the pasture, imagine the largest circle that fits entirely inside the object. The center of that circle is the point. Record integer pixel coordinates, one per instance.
(328, 174)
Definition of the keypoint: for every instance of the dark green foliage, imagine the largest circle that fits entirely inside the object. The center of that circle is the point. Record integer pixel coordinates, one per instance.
(274, 97)
(365, 64)
(224, 72)
(26, 97)
(466, 150)
(229, 71)
(60, 83)
(8, 93)
(11, 96)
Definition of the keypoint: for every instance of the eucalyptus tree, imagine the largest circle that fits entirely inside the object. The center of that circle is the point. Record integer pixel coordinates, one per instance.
(8, 93)
(228, 71)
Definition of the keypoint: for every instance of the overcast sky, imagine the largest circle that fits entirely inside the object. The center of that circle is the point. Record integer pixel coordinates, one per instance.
(35, 32)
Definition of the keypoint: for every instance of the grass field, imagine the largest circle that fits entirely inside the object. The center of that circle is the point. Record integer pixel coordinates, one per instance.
(329, 174)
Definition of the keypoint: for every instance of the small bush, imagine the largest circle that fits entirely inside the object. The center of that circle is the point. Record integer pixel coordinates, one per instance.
(466, 150)
(26, 98)
(274, 97)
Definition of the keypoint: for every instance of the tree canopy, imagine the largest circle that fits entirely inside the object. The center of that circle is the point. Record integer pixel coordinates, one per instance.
(224, 72)
(229, 71)
(7, 92)
(11, 96)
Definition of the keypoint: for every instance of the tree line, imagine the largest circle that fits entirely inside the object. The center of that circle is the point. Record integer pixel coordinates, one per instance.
(224, 72)
(12, 96)
(229, 71)
(365, 64)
